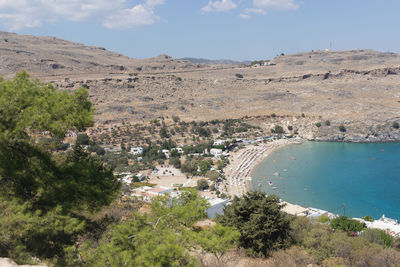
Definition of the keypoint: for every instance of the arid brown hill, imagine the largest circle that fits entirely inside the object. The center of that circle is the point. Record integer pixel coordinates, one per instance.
(352, 87)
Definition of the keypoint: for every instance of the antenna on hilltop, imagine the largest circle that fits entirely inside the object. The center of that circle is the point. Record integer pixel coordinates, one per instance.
(330, 45)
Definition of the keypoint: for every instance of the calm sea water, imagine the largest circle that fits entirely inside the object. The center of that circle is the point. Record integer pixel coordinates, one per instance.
(364, 177)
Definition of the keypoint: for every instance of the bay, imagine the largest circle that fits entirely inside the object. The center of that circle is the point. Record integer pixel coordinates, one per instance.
(358, 179)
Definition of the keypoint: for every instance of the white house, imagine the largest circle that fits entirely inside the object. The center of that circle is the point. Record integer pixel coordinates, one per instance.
(216, 207)
(147, 193)
(137, 150)
(219, 142)
(216, 152)
(127, 177)
(166, 153)
(141, 176)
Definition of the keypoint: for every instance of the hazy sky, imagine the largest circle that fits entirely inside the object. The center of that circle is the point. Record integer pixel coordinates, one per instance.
(232, 29)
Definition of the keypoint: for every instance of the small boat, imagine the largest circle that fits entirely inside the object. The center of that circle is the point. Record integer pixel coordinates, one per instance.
(274, 187)
(270, 183)
(276, 173)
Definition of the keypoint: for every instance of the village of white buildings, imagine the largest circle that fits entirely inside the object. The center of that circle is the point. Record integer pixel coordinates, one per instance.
(240, 157)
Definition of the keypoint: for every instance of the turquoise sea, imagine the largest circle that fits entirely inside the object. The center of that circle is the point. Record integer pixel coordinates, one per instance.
(363, 177)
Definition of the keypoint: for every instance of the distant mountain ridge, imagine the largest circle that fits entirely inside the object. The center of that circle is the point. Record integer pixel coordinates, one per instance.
(215, 61)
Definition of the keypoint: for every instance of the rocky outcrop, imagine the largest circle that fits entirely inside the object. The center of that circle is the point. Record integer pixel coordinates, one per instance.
(6, 262)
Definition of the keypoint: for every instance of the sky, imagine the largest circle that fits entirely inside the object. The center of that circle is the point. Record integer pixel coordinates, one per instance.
(213, 29)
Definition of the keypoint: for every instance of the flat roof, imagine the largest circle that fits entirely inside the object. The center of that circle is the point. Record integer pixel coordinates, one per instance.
(215, 201)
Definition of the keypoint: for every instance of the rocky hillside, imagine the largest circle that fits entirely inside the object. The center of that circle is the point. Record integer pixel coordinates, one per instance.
(359, 88)
(49, 56)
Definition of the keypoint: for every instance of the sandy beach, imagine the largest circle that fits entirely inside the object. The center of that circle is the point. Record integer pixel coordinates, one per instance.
(243, 162)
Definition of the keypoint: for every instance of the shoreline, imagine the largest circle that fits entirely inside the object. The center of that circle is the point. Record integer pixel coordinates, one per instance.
(253, 155)
(244, 161)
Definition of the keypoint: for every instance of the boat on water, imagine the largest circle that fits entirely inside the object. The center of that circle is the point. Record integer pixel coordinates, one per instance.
(270, 183)
(274, 188)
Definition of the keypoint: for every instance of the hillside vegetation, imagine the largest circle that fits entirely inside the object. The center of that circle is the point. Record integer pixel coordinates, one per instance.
(65, 209)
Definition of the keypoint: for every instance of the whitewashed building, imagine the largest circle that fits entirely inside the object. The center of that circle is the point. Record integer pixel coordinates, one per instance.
(216, 207)
(137, 150)
(166, 153)
(219, 142)
(216, 152)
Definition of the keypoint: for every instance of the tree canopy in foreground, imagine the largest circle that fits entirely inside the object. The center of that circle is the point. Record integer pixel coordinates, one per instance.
(44, 196)
(163, 237)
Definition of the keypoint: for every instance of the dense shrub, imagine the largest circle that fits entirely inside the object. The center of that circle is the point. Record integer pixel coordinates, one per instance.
(342, 128)
(278, 130)
(176, 162)
(262, 225)
(379, 237)
(175, 118)
(323, 219)
(164, 133)
(97, 149)
(202, 184)
(396, 125)
(348, 225)
(82, 139)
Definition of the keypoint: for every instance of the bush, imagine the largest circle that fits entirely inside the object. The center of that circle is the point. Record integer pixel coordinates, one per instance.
(239, 76)
(164, 133)
(262, 225)
(395, 125)
(202, 184)
(176, 162)
(98, 149)
(190, 166)
(278, 129)
(318, 124)
(205, 165)
(342, 128)
(323, 219)
(290, 127)
(327, 123)
(379, 237)
(301, 226)
(348, 225)
(368, 218)
(212, 175)
(175, 118)
(82, 139)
